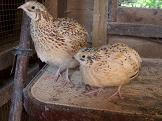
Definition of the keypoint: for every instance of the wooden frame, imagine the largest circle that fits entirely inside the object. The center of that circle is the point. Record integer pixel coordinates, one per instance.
(131, 29)
(99, 37)
(99, 30)
(141, 30)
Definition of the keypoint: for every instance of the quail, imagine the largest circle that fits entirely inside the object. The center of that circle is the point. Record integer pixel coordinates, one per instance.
(56, 40)
(109, 65)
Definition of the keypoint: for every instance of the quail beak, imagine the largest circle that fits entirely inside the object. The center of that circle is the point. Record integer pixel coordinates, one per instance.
(22, 7)
(75, 56)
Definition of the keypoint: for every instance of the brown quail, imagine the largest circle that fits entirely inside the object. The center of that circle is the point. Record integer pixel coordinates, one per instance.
(109, 65)
(56, 40)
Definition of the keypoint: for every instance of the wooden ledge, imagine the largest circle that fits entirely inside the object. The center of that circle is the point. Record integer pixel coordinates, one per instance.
(49, 100)
(6, 57)
(133, 29)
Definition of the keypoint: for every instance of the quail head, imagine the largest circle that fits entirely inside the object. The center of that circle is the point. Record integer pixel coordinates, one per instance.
(56, 40)
(109, 65)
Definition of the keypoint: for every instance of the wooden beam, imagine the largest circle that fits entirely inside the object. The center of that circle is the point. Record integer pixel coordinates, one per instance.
(20, 73)
(6, 91)
(99, 32)
(140, 30)
(82, 11)
(112, 10)
(57, 8)
(62, 8)
(6, 57)
(80, 5)
(139, 15)
(52, 6)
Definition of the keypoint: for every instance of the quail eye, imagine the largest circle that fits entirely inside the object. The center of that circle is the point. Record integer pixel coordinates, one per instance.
(83, 56)
(33, 7)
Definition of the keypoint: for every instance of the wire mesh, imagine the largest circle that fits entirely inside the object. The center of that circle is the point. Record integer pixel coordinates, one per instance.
(10, 20)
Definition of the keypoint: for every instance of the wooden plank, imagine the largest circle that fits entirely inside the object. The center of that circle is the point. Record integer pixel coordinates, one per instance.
(80, 4)
(6, 91)
(62, 7)
(112, 10)
(50, 101)
(139, 15)
(82, 11)
(99, 32)
(52, 6)
(139, 30)
(4, 111)
(84, 17)
(141, 45)
(6, 57)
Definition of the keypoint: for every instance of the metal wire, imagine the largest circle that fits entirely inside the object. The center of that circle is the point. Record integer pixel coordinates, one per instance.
(10, 20)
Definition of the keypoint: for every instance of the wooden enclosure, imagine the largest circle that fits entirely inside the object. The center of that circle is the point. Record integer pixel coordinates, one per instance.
(135, 22)
(106, 22)
(136, 25)
(48, 100)
(138, 22)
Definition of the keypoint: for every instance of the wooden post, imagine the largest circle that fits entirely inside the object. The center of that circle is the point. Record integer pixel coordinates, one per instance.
(20, 73)
(62, 8)
(112, 10)
(52, 6)
(100, 17)
(57, 8)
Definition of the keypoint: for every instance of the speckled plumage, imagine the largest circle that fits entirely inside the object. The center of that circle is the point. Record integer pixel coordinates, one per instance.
(56, 40)
(109, 65)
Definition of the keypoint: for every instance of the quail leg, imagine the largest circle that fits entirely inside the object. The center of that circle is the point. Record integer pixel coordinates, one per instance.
(55, 77)
(57, 74)
(92, 91)
(67, 80)
(117, 93)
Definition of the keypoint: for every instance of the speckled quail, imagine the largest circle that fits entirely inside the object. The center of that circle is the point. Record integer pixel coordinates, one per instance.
(56, 40)
(109, 65)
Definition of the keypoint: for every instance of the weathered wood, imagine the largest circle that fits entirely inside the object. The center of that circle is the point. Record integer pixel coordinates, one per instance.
(48, 100)
(80, 4)
(62, 7)
(139, 15)
(99, 32)
(20, 73)
(52, 6)
(57, 8)
(6, 57)
(82, 11)
(84, 17)
(141, 45)
(4, 111)
(140, 30)
(112, 10)
(6, 91)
